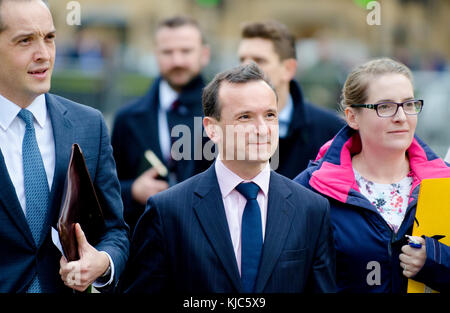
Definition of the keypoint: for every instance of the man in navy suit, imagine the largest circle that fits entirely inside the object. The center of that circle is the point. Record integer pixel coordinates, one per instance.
(238, 226)
(37, 130)
(147, 124)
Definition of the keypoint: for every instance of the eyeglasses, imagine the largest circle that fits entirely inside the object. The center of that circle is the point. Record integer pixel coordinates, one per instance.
(389, 109)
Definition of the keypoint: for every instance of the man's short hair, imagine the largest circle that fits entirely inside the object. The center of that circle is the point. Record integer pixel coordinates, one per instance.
(239, 75)
(179, 21)
(278, 33)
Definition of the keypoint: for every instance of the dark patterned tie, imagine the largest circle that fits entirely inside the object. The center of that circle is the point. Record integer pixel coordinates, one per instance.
(251, 236)
(36, 185)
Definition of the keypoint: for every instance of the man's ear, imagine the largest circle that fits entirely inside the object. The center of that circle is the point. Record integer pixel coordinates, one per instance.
(290, 69)
(211, 128)
(352, 118)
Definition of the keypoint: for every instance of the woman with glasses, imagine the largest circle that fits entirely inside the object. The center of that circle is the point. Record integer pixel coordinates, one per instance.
(371, 173)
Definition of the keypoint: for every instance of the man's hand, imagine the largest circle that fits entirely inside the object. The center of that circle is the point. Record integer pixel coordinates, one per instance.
(147, 185)
(92, 264)
(413, 259)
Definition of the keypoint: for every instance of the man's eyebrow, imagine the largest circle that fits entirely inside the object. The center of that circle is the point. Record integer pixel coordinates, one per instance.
(24, 35)
(243, 112)
(31, 34)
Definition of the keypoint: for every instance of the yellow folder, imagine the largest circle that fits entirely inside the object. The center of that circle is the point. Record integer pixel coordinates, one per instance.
(433, 215)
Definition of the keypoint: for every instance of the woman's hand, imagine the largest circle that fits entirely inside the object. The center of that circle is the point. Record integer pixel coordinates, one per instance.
(413, 259)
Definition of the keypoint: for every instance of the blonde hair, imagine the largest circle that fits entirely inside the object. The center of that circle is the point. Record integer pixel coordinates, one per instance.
(355, 87)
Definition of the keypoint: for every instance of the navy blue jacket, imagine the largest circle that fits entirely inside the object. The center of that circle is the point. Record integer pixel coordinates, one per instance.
(20, 257)
(310, 127)
(136, 130)
(361, 234)
(182, 242)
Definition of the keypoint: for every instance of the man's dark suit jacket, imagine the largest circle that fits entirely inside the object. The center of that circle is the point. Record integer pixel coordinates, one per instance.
(310, 127)
(136, 130)
(20, 256)
(182, 242)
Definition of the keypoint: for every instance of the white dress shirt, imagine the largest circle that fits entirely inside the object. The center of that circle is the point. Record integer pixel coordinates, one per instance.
(166, 97)
(12, 131)
(234, 202)
(447, 157)
(285, 117)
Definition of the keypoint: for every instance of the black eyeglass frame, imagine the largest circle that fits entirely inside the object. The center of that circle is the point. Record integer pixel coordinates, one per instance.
(375, 107)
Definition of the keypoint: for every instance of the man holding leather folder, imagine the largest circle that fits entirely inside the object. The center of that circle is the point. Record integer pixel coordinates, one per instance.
(37, 131)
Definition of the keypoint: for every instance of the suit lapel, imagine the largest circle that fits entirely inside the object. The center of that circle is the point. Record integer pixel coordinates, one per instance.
(64, 138)
(146, 117)
(148, 139)
(11, 203)
(211, 214)
(279, 219)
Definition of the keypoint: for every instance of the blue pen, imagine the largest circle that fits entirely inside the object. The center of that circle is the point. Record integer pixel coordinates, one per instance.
(413, 243)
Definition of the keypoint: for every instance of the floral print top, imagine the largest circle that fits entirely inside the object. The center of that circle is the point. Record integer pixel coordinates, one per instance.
(391, 200)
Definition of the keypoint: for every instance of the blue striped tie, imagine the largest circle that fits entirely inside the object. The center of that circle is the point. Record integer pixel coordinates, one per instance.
(251, 236)
(36, 185)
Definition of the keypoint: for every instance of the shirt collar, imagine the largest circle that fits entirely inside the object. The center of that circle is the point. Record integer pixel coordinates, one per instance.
(9, 111)
(285, 115)
(166, 95)
(228, 180)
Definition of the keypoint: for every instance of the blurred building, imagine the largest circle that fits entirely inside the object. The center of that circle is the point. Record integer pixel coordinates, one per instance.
(108, 59)
(409, 28)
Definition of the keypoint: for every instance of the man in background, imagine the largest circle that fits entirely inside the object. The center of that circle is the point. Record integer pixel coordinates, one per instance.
(147, 124)
(304, 127)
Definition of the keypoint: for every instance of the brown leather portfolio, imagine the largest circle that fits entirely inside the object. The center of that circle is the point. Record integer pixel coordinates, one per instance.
(80, 204)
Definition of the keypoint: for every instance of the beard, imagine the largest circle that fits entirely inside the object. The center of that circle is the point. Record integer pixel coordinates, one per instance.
(179, 77)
